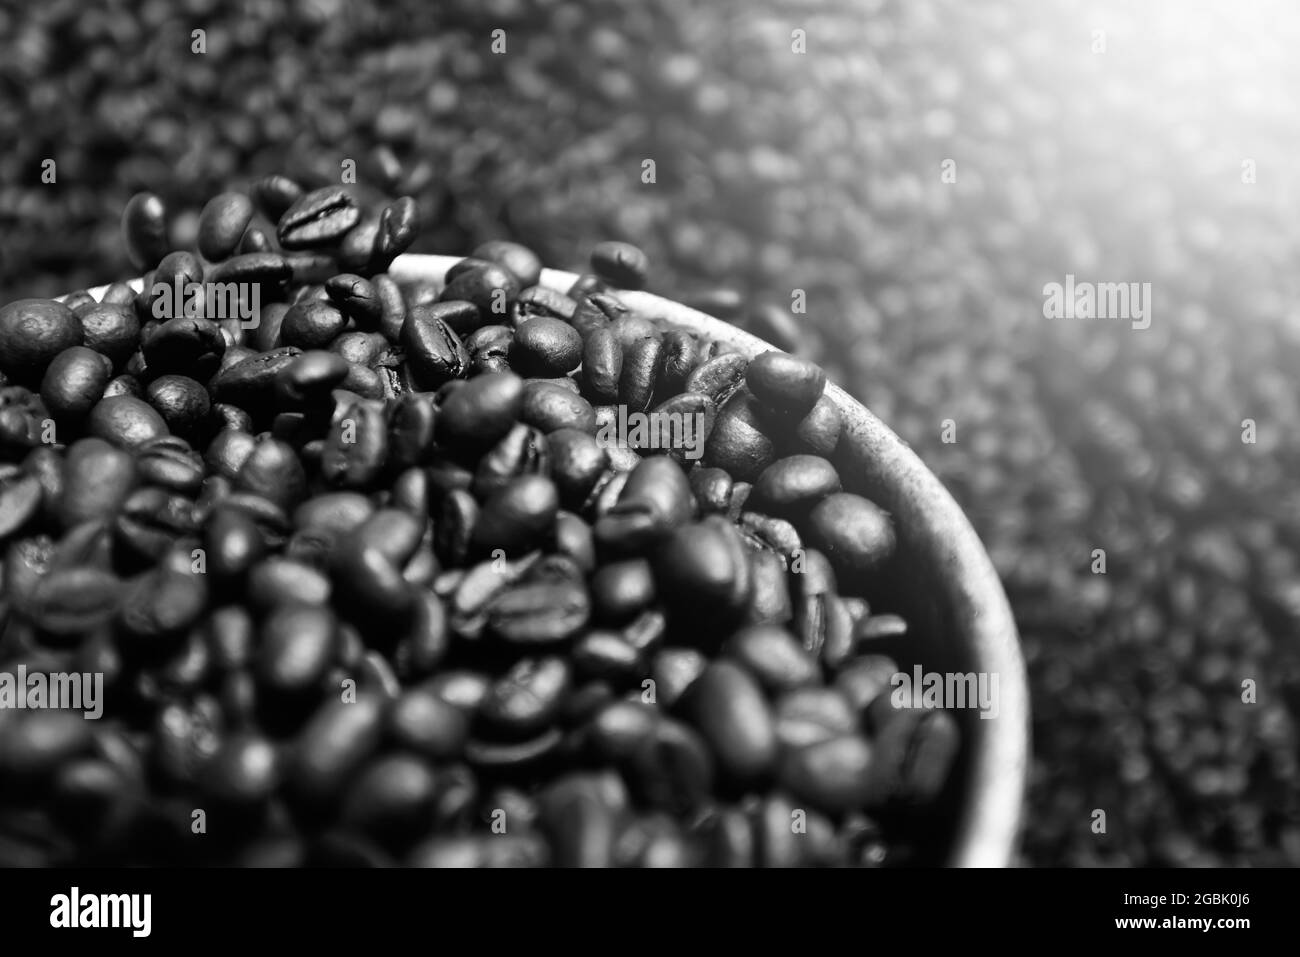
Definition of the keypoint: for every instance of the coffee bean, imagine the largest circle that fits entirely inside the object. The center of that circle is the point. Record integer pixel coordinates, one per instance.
(620, 264)
(856, 535)
(835, 775)
(790, 487)
(643, 361)
(785, 383)
(74, 382)
(318, 218)
(20, 500)
(491, 288)
(274, 194)
(602, 364)
(519, 260)
(545, 347)
(298, 644)
(222, 224)
(737, 442)
(126, 422)
(527, 698)
(144, 227)
(702, 570)
(719, 378)
(655, 501)
(726, 705)
(398, 226)
(915, 751)
(182, 403)
(434, 350)
(32, 333)
(357, 446)
(672, 769)
(773, 656)
(541, 613)
(620, 590)
(334, 743)
(273, 471)
(111, 329)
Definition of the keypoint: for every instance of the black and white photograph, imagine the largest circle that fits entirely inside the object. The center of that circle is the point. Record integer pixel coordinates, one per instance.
(834, 435)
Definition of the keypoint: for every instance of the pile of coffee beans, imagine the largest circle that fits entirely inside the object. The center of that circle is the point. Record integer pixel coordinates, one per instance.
(369, 572)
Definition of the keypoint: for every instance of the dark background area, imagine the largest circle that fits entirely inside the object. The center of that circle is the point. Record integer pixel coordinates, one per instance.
(821, 171)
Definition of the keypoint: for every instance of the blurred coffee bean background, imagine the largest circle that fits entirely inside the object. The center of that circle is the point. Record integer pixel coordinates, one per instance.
(1151, 145)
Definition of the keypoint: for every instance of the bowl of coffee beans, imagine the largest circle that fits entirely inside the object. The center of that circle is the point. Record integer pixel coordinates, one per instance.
(320, 553)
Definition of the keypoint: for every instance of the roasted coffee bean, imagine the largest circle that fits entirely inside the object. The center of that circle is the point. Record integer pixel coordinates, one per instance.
(621, 590)
(171, 463)
(737, 442)
(20, 500)
(111, 329)
(702, 570)
(522, 451)
(855, 534)
(602, 364)
(550, 407)
(311, 325)
(32, 333)
(785, 383)
(357, 446)
(817, 432)
(642, 363)
(719, 378)
(182, 403)
(773, 656)
(184, 346)
(74, 382)
(434, 351)
(306, 381)
(519, 260)
(597, 311)
(545, 347)
(318, 218)
(279, 581)
(790, 487)
(809, 714)
(672, 769)
(605, 655)
(298, 644)
(426, 724)
(398, 225)
(161, 604)
(620, 264)
(577, 462)
(340, 736)
(491, 288)
(727, 706)
(222, 224)
(357, 298)
(914, 752)
(275, 194)
(835, 775)
(541, 613)
(655, 501)
(273, 471)
(126, 422)
(489, 349)
(144, 228)
(98, 479)
(541, 301)
(527, 698)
